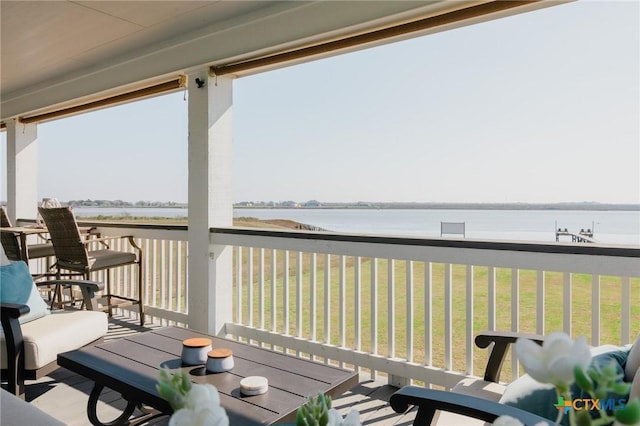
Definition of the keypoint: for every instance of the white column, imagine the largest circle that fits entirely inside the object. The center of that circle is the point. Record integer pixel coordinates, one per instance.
(22, 170)
(210, 201)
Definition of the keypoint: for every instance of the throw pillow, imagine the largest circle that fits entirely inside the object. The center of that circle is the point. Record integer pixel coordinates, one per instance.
(527, 394)
(17, 286)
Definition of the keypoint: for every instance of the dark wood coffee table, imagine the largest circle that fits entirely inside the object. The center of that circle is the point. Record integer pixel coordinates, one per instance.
(131, 366)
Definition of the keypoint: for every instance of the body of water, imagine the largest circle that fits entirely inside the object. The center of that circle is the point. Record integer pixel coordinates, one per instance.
(609, 227)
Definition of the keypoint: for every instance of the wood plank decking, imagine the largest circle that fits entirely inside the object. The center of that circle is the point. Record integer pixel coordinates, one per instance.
(64, 395)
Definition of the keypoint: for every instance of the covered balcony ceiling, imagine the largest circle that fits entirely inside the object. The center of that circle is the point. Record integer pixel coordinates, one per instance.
(61, 54)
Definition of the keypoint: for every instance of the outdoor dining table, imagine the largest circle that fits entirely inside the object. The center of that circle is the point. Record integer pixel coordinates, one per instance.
(131, 366)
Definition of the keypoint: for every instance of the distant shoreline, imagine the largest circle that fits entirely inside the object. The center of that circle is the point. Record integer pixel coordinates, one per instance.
(583, 206)
(457, 206)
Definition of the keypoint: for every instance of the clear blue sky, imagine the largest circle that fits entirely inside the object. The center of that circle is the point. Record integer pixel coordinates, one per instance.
(540, 107)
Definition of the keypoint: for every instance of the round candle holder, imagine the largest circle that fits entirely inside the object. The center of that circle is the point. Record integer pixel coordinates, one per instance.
(219, 360)
(194, 351)
(254, 385)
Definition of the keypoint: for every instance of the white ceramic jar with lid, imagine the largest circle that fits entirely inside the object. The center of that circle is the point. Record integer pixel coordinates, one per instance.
(219, 360)
(194, 351)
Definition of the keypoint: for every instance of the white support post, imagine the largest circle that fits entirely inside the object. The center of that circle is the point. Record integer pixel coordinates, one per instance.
(210, 201)
(22, 170)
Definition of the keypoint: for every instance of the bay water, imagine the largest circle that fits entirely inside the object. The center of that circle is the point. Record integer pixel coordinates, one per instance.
(609, 227)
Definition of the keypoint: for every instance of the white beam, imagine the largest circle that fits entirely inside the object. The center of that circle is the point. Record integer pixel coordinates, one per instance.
(210, 201)
(22, 170)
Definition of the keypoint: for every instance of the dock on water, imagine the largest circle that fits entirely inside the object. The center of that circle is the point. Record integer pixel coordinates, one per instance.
(584, 236)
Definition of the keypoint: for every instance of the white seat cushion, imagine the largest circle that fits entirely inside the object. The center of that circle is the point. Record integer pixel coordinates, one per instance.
(480, 388)
(59, 332)
(474, 387)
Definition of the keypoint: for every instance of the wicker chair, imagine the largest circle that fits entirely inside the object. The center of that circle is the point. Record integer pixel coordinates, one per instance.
(32, 335)
(12, 247)
(72, 255)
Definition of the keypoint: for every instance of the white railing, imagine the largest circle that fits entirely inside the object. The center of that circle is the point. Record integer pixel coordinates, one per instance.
(410, 307)
(164, 269)
(401, 307)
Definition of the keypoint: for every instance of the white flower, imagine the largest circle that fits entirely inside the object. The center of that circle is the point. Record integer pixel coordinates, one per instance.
(202, 416)
(352, 419)
(554, 362)
(202, 396)
(335, 419)
(511, 421)
(201, 408)
(507, 421)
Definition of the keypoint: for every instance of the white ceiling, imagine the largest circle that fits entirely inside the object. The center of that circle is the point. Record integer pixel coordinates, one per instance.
(61, 53)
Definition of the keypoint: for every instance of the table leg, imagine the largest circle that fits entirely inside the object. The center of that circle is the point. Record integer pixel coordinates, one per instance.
(124, 418)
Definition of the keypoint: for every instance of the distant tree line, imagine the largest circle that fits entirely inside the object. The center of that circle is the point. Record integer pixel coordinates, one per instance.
(121, 203)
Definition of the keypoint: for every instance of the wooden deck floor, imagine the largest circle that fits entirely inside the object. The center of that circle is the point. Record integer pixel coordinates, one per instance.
(64, 394)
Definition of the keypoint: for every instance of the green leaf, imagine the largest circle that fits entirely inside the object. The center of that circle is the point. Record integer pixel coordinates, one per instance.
(315, 412)
(582, 380)
(583, 418)
(600, 393)
(621, 388)
(630, 415)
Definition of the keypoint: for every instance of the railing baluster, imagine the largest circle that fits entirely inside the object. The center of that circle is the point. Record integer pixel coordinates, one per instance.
(358, 302)
(491, 284)
(163, 274)
(625, 320)
(179, 281)
(540, 311)
(515, 315)
(299, 309)
(327, 300)
(250, 286)
(313, 293)
(182, 283)
(130, 271)
(186, 277)
(391, 309)
(274, 305)
(448, 323)
(119, 284)
(566, 303)
(374, 311)
(154, 279)
(239, 285)
(343, 304)
(285, 292)
(515, 300)
(428, 313)
(410, 310)
(146, 270)
(170, 276)
(469, 321)
(261, 294)
(595, 309)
